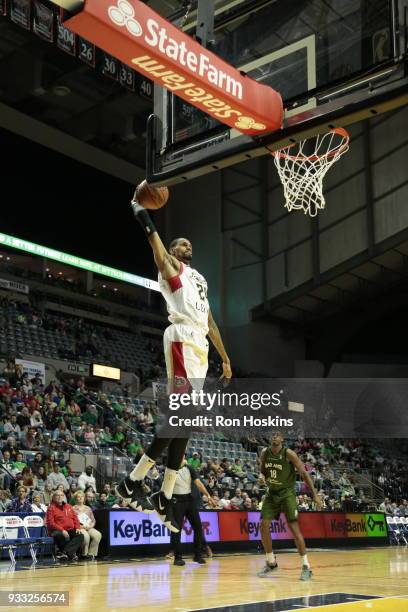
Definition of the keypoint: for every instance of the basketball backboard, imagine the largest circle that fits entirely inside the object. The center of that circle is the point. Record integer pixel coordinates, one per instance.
(334, 62)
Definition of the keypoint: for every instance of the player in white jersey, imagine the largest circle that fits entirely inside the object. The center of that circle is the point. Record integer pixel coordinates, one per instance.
(186, 354)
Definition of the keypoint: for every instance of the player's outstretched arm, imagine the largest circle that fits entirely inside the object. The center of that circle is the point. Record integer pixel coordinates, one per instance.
(167, 265)
(203, 490)
(293, 458)
(215, 337)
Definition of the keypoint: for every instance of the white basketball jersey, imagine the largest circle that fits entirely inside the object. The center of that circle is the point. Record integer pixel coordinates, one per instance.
(186, 298)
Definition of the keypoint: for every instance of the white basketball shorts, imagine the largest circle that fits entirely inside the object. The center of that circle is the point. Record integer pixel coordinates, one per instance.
(186, 354)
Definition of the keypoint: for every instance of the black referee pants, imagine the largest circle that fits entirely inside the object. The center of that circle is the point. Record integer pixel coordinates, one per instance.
(185, 507)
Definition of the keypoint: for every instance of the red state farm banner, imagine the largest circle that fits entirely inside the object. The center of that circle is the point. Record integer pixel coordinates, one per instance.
(136, 35)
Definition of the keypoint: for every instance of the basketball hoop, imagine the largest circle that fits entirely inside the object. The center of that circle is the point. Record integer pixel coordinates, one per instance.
(302, 174)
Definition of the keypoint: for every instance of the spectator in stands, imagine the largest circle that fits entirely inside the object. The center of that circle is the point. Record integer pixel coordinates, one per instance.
(19, 464)
(36, 503)
(254, 504)
(195, 461)
(345, 484)
(5, 501)
(90, 497)
(134, 447)
(145, 420)
(110, 497)
(74, 412)
(105, 436)
(121, 503)
(225, 501)
(12, 427)
(118, 435)
(73, 488)
(60, 431)
(87, 479)
(216, 501)
(11, 448)
(28, 479)
(29, 441)
(89, 435)
(327, 478)
(90, 416)
(403, 508)
(20, 503)
(6, 473)
(64, 526)
(102, 502)
(247, 505)
(237, 501)
(36, 419)
(41, 478)
(92, 536)
(381, 480)
(9, 372)
(303, 503)
(69, 474)
(23, 418)
(205, 503)
(57, 478)
(237, 469)
(37, 462)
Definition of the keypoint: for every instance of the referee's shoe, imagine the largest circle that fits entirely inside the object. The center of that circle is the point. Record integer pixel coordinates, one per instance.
(165, 510)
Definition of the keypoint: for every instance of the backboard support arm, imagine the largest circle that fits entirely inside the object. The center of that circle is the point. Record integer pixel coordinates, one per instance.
(205, 24)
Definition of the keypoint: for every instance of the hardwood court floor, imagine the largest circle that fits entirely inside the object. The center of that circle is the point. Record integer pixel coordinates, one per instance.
(154, 586)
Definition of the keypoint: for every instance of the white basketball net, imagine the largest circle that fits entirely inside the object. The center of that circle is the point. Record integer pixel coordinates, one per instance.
(302, 174)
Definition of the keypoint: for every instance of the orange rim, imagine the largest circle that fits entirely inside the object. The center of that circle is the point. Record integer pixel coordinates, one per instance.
(339, 149)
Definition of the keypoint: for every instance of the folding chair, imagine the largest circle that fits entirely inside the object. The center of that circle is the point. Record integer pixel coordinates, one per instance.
(394, 532)
(401, 528)
(37, 522)
(13, 544)
(404, 522)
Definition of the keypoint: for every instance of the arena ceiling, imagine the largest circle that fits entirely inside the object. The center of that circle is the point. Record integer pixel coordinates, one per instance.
(51, 97)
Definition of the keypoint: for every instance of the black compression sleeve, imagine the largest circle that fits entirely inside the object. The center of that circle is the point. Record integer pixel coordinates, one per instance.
(144, 219)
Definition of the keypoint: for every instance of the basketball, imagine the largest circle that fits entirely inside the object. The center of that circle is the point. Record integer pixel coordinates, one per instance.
(150, 197)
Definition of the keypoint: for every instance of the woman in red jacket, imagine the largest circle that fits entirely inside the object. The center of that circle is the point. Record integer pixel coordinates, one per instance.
(63, 524)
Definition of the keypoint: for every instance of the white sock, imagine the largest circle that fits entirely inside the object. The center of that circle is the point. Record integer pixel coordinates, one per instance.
(305, 561)
(270, 557)
(142, 468)
(169, 482)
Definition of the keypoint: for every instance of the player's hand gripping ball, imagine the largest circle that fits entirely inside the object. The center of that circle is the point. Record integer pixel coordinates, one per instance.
(151, 197)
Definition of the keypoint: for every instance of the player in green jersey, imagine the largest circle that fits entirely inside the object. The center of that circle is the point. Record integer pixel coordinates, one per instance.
(278, 468)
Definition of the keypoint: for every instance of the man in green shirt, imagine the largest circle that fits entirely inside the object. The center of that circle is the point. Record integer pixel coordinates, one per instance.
(19, 464)
(134, 447)
(278, 468)
(195, 461)
(118, 436)
(90, 416)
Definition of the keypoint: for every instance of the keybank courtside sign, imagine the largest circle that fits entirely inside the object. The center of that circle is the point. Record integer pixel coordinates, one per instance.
(135, 34)
(129, 528)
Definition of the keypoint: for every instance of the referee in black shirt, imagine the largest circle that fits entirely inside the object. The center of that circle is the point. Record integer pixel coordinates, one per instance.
(185, 506)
